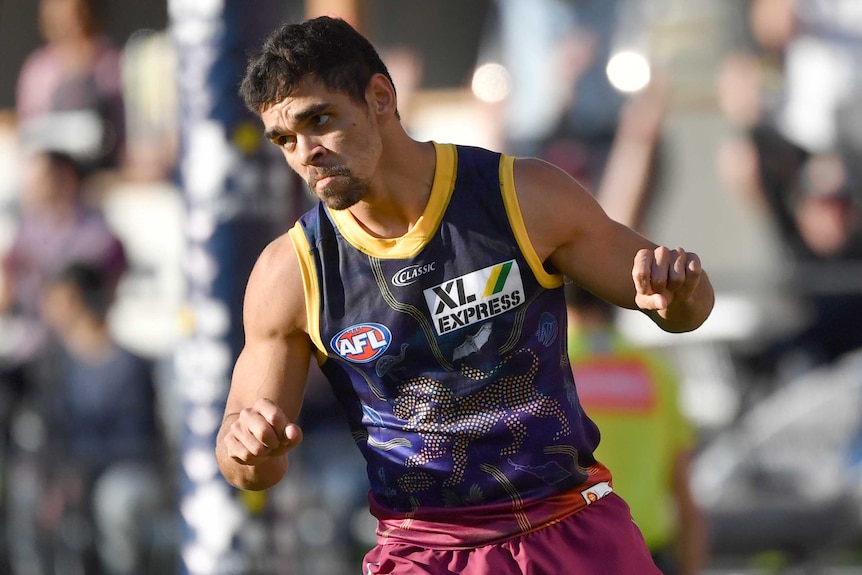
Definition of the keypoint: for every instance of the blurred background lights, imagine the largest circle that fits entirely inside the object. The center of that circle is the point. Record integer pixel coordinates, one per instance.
(200, 464)
(204, 419)
(491, 82)
(628, 71)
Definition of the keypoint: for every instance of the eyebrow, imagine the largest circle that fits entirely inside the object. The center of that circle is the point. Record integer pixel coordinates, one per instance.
(298, 118)
(273, 134)
(310, 112)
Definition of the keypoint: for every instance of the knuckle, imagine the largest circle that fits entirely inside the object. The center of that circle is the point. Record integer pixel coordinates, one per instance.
(662, 252)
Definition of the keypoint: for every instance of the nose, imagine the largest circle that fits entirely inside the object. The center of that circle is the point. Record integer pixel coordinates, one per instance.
(311, 151)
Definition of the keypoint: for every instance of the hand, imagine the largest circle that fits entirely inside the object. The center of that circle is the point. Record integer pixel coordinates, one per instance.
(260, 432)
(664, 276)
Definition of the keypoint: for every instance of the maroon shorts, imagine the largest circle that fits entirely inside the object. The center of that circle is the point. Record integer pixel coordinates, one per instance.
(597, 540)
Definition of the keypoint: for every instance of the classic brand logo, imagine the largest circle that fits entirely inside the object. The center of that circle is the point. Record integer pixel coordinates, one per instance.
(475, 296)
(362, 342)
(410, 274)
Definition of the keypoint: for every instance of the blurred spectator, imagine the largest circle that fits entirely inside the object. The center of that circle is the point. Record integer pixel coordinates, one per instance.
(556, 52)
(102, 462)
(57, 226)
(150, 93)
(791, 97)
(332, 477)
(69, 92)
(646, 442)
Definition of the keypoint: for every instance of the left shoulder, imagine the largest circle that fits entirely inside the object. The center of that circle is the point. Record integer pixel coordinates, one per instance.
(535, 177)
(555, 206)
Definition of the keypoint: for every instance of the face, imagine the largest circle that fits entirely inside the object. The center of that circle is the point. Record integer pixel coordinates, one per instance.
(47, 187)
(41, 183)
(60, 305)
(63, 19)
(330, 140)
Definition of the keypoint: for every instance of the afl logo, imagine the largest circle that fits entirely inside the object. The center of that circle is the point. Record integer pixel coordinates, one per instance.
(361, 343)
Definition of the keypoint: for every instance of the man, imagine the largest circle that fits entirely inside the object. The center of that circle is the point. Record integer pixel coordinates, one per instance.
(104, 411)
(632, 395)
(57, 227)
(428, 284)
(101, 461)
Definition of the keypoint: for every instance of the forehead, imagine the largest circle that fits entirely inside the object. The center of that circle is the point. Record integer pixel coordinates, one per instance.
(308, 95)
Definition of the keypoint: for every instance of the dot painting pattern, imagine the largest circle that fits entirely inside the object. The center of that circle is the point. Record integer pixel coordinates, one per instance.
(449, 423)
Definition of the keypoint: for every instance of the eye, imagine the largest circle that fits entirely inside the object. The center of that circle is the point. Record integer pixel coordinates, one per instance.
(321, 120)
(285, 141)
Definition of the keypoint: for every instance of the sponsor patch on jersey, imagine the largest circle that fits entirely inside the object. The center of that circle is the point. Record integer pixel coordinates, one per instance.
(475, 297)
(408, 275)
(362, 342)
(596, 492)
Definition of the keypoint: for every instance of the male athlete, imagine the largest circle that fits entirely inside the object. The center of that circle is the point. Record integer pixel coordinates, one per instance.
(428, 285)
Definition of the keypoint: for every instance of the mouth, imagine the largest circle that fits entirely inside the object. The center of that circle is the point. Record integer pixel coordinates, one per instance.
(323, 182)
(325, 178)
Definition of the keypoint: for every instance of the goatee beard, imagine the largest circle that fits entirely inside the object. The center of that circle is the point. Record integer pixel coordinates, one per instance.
(343, 192)
(343, 199)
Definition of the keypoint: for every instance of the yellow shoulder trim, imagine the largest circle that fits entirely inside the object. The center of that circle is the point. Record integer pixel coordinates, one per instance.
(310, 287)
(516, 220)
(414, 240)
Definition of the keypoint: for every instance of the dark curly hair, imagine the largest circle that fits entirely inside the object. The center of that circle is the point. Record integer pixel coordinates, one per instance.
(90, 283)
(329, 49)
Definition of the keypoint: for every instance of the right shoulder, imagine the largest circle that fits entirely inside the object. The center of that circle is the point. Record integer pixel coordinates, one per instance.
(275, 298)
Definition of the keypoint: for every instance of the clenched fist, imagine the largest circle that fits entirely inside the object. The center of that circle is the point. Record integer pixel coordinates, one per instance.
(260, 432)
(663, 276)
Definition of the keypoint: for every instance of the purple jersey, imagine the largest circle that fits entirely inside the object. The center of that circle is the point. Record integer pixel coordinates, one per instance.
(446, 347)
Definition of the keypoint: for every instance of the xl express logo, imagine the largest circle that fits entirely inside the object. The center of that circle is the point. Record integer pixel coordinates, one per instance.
(362, 342)
(475, 297)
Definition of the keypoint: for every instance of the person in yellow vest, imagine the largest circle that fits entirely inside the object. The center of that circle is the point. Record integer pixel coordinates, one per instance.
(632, 395)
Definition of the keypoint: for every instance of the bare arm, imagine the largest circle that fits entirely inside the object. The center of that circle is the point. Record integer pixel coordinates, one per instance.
(268, 381)
(570, 230)
(7, 288)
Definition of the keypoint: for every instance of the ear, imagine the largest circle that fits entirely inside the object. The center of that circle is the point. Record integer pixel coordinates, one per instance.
(380, 96)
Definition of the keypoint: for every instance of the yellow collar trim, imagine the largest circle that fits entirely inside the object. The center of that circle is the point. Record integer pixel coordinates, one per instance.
(414, 240)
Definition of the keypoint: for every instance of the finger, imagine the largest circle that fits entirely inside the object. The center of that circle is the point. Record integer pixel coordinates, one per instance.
(293, 434)
(676, 269)
(292, 438)
(693, 273)
(263, 431)
(641, 271)
(236, 449)
(272, 413)
(659, 271)
(243, 443)
(656, 301)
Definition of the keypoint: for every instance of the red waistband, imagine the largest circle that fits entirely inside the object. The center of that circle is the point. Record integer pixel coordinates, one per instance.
(457, 527)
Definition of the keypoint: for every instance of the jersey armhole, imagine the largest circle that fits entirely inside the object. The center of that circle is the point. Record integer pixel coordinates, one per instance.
(516, 220)
(310, 288)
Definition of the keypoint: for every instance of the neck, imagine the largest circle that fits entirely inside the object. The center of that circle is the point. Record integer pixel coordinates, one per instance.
(76, 51)
(88, 340)
(399, 192)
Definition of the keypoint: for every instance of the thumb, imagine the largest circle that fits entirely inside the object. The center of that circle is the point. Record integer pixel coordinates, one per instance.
(654, 301)
(292, 435)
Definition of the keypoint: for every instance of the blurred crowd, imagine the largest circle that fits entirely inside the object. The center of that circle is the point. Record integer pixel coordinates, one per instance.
(84, 460)
(792, 98)
(88, 458)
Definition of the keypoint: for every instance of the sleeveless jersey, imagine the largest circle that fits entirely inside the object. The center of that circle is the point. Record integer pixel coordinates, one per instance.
(444, 346)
